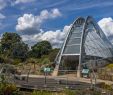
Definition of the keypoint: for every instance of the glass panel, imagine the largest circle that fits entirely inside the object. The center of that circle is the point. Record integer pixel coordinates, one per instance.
(72, 49)
(76, 35)
(95, 44)
(78, 29)
(74, 41)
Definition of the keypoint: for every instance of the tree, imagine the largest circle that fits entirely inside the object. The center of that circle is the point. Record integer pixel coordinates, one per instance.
(8, 39)
(19, 51)
(12, 46)
(39, 49)
(0, 48)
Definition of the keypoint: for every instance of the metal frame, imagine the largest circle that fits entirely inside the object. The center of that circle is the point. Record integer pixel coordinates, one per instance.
(81, 49)
(83, 36)
(59, 55)
(67, 39)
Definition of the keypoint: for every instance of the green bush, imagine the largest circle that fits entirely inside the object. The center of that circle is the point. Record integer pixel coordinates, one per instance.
(69, 92)
(110, 66)
(41, 93)
(46, 61)
(16, 61)
(7, 88)
(105, 86)
(7, 68)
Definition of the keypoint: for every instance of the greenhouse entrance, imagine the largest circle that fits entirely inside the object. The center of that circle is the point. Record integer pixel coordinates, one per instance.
(69, 64)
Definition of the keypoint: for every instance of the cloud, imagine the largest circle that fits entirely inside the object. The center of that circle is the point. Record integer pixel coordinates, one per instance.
(56, 38)
(30, 23)
(3, 4)
(2, 16)
(106, 25)
(89, 4)
(22, 1)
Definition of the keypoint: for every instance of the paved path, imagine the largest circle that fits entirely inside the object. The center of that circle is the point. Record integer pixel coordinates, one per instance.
(70, 78)
(51, 84)
(40, 82)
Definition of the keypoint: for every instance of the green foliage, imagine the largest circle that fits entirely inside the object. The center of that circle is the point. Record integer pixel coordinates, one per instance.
(1, 59)
(106, 86)
(14, 51)
(81, 92)
(53, 53)
(0, 48)
(41, 93)
(46, 61)
(7, 88)
(12, 47)
(16, 61)
(110, 66)
(32, 60)
(7, 68)
(69, 92)
(19, 51)
(39, 49)
(8, 60)
(8, 39)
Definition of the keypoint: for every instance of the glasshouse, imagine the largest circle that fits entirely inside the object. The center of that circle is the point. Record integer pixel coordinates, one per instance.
(85, 46)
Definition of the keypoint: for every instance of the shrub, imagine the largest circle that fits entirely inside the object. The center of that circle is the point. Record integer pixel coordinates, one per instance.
(69, 92)
(110, 66)
(7, 88)
(46, 61)
(105, 86)
(16, 61)
(41, 93)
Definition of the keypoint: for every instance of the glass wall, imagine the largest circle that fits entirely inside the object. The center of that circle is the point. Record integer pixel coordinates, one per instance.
(74, 39)
(96, 47)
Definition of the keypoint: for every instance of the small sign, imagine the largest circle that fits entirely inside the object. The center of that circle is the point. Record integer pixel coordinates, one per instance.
(47, 69)
(85, 71)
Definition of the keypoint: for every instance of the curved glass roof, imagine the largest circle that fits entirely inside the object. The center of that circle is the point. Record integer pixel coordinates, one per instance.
(72, 45)
(85, 38)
